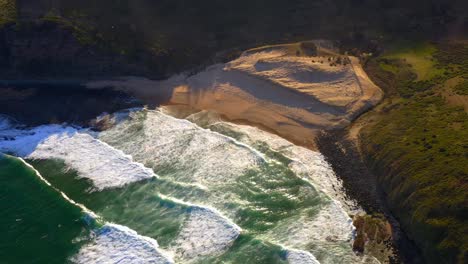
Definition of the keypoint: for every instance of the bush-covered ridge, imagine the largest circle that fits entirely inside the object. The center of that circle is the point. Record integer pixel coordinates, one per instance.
(418, 146)
(170, 36)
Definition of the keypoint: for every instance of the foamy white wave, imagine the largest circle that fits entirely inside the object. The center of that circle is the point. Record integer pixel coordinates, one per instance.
(330, 224)
(89, 213)
(119, 244)
(196, 157)
(206, 158)
(103, 165)
(194, 154)
(117, 117)
(307, 164)
(205, 233)
(300, 257)
(213, 160)
(228, 139)
(114, 243)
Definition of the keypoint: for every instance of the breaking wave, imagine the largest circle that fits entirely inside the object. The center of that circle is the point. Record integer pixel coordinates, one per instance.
(207, 191)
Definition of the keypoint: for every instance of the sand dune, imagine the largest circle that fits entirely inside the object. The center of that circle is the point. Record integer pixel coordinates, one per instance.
(335, 85)
(278, 88)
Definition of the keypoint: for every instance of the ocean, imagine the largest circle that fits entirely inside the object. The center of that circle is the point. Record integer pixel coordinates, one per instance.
(157, 189)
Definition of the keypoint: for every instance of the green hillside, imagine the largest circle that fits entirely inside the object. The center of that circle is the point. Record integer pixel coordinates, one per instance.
(418, 145)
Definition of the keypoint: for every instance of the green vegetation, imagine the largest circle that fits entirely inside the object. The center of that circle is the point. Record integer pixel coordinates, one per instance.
(418, 146)
(462, 88)
(7, 11)
(84, 33)
(386, 66)
(418, 56)
(168, 36)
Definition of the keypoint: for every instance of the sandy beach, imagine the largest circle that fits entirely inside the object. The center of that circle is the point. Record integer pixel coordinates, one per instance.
(284, 88)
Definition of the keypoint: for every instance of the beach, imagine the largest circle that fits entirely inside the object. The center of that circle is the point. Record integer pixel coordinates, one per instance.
(273, 88)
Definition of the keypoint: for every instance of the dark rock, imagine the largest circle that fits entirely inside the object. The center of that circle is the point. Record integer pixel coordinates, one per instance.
(361, 185)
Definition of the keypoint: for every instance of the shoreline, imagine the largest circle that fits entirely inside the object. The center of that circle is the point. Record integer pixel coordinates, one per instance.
(295, 96)
(185, 111)
(361, 184)
(296, 125)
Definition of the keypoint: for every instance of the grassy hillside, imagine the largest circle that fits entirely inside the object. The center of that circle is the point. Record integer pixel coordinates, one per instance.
(417, 142)
(419, 56)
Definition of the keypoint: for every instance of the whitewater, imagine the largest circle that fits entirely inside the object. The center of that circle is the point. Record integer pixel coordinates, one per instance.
(193, 190)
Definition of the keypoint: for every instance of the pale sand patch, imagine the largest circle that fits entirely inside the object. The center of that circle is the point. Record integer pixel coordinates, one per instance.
(291, 95)
(334, 85)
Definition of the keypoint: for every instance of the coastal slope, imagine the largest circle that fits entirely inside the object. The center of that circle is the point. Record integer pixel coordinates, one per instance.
(415, 142)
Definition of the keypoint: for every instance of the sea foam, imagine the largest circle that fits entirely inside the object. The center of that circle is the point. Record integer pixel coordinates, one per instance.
(330, 224)
(113, 243)
(205, 233)
(300, 257)
(189, 154)
(105, 166)
(194, 154)
(211, 159)
(118, 244)
(307, 164)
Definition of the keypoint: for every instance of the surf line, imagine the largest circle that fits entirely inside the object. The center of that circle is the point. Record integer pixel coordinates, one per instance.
(91, 216)
(82, 207)
(230, 139)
